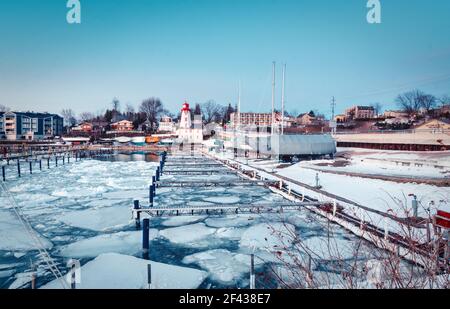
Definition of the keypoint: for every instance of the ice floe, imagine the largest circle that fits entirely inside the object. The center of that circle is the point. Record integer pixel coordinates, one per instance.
(102, 219)
(116, 271)
(182, 220)
(122, 242)
(222, 265)
(188, 234)
(14, 236)
(268, 236)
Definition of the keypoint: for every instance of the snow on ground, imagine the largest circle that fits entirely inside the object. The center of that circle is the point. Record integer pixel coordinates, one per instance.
(121, 242)
(116, 271)
(182, 220)
(187, 235)
(222, 265)
(387, 163)
(102, 219)
(14, 237)
(376, 194)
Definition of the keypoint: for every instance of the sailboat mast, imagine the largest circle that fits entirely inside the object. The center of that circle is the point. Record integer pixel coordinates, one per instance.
(239, 105)
(282, 99)
(273, 97)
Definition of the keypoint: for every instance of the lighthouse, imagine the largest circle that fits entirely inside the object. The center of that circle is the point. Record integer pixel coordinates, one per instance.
(189, 132)
(185, 121)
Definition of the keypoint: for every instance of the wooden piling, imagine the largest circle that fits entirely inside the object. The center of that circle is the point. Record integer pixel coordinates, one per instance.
(18, 167)
(145, 239)
(137, 214)
(3, 173)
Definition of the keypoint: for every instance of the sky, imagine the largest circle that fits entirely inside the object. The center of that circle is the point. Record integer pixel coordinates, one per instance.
(197, 50)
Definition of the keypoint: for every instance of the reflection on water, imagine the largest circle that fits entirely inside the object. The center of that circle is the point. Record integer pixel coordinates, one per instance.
(132, 157)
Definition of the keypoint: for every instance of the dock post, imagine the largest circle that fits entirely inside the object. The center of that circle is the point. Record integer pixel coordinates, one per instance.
(137, 214)
(154, 183)
(64, 160)
(68, 159)
(31, 167)
(18, 167)
(48, 163)
(145, 239)
(149, 276)
(157, 173)
(252, 272)
(56, 158)
(73, 283)
(40, 165)
(150, 195)
(3, 173)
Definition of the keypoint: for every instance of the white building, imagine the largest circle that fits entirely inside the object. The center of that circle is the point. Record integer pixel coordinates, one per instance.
(166, 125)
(188, 131)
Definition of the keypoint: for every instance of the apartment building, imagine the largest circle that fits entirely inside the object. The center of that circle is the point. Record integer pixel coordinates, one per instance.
(30, 126)
(259, 119)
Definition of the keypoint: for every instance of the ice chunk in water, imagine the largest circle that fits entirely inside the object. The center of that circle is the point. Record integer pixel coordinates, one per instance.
(223, 199)
(102, 219)
(222, 265)
(122, 242)
(185, 235)
(116, 271)
(182, 220)
(14, 237)
(268, 236)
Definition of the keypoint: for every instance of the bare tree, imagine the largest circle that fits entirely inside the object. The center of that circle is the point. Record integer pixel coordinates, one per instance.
(377, 107)
(69, 117)
(153, 109)
(86, 116)
(444, 100)
(212, 111)
(116, 105)
(427, 101)
(411, 101)
(4, 108)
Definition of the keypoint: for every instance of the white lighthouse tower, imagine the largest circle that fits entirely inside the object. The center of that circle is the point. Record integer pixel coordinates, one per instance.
(186, 131)
(185, 121)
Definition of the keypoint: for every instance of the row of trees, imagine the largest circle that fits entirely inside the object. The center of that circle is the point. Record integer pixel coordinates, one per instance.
(412, 102)
(150, 111)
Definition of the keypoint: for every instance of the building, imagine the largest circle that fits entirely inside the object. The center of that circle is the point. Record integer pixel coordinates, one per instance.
(190, 131)
(85, 127)
(122, 126)
(360, 112)
(258, 119)
(340, 118)
(395, 114)
(30, 126)
(166, 124)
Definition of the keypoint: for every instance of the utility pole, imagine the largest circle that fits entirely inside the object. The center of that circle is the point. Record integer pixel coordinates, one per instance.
(282, 99)
(333, 108)
(273, 98)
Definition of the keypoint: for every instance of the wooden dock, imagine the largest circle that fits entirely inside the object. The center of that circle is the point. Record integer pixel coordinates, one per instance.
(224, 209)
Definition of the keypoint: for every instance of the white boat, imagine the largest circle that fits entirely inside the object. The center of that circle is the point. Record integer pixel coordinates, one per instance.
(123, 139)
(166, 141)
(138, 140)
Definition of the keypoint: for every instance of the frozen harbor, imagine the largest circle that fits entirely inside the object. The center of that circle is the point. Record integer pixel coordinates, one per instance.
(83, 211)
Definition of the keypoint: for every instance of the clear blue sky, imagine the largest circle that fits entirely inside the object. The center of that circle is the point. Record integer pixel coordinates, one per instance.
(199, 50)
